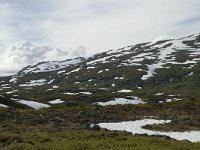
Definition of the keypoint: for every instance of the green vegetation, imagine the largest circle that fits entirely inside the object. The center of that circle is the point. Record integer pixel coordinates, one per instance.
(44, 138)
(66, 126)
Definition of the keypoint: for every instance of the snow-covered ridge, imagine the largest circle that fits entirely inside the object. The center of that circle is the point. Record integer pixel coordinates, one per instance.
(50, 66)
(167, 45)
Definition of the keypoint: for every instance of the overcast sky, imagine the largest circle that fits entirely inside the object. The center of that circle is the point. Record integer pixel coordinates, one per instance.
(91, 25)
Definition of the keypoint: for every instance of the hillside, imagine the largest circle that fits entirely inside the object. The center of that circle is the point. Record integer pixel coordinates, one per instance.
(166, 66)
(157, 80)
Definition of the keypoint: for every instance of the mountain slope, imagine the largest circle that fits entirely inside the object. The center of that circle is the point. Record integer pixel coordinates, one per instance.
(169, 65)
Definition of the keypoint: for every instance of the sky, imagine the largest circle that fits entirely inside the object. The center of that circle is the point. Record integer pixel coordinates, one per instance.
(73, 28)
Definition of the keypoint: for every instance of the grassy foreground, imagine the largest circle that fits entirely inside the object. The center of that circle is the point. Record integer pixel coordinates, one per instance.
(66, 127)
(42, 138)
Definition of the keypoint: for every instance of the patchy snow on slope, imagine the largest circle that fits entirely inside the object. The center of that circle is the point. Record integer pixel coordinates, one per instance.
(7, 87)
(159, 94)
(125, 91)
(69, 93)
(59, 72)
(51, 81)
(2, 105)
(100, 71)
(102, 60)
(51, 66)
(75, 70)
(91, 67)
(4, 85)
(85, 93)
(35, 105)
(121, 101)
(113, 85)
(34, 83)
(119, 78)
(49, 90)
(167, 49)
(55, 87)
(10, 92)
(161, 38)
(151, 70)
(190, 74)
(57, 101)
(14, 80)
(135, 127)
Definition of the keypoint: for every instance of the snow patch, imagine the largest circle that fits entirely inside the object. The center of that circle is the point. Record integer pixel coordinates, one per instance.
(34, 83)
(159, 94)
(135, 127)
(2, 105)
(85, 93)
(161, 38)
(124, 91)
(121, 101)
(57, 101)
(75, 70)
(35, 105)
(55, 87)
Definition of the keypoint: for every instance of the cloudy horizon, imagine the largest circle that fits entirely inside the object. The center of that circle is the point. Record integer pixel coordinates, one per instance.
(86, 27)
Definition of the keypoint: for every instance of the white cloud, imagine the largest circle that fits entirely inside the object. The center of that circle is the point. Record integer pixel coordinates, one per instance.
(24, 53)
(97, 25)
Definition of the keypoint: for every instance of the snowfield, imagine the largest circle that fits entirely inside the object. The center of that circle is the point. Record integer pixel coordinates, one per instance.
(135, 127)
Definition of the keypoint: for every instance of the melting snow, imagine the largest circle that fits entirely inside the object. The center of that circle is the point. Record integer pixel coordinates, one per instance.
(151, 70)
(161, 38)
(158, 94)
(190, 74)
(121, 101)
(68, 93)
(100, 71)
(174, 45)
(14, 80)
(51, 66)
(55, 87)
(124, 91)
(168, 100)
(90, 67)
(51, 81)
(86, 93)
(10, 92)
(113, 84)
(34, 83)
(2, 105)
(119, 78)
(57, 101)
(35, 105)
(59, 72)
(135, 127)
(75, 70)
